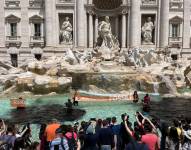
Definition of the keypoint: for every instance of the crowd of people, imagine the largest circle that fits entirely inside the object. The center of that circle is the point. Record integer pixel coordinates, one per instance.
(101, 134)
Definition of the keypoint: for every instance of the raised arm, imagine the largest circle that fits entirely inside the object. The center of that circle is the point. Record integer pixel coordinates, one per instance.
(126, 127)
(3, 127)
(136, 117)
(153, 126)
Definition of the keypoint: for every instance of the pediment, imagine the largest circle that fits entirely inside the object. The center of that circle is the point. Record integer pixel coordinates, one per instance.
(176, 19)
(36, 18)
(12, 18)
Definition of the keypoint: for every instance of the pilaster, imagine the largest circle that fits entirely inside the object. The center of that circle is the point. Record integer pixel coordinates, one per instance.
(50, 22)
(135, 24)
(90, 30)
(117, 26)
(96, 28)
(2, 24)
(81, 24)
(164, 23)
(24, 24)
(124, 30)
(186, 31)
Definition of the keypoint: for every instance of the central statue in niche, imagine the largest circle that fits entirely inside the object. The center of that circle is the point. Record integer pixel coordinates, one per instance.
(107, 43)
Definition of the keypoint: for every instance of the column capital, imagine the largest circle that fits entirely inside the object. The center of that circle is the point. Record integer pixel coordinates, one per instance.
(90, 9)
(124, 9)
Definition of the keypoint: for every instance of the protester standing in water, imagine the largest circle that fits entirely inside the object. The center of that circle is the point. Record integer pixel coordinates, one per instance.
(135, 97)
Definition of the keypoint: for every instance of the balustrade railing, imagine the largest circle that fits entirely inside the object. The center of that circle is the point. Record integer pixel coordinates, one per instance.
(12, 3)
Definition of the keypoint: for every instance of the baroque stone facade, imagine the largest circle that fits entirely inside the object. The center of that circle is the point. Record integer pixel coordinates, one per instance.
(42, 28)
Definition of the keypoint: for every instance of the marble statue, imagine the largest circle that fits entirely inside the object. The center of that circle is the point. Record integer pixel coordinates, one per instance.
(66, 32)
(109, 42)
(104, 30)
(147, 31)
(138, 57)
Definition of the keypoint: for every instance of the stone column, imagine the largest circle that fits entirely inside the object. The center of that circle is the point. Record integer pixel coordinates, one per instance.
(49, 22)
(90, 30)
(117, 26)
(2, 24)
(164, 23)
(124, 2)
(186, 35)
(24, 24)
(81, 19)
(96, 28)
(135, 23)
(124, 30)
(42, 29)
(32, 29)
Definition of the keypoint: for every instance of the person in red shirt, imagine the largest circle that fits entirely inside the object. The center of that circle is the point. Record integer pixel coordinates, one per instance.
(146, 103)
(147, 99)
(151, 139)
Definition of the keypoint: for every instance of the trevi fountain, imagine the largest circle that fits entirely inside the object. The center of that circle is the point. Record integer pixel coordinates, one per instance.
(106, 69)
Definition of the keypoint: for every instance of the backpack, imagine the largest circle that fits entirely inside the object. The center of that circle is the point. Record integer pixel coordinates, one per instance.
(72, 143)
(134, 143)
(56, 147)
(6, 145)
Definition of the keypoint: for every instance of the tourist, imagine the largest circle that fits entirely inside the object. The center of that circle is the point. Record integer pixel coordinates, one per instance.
(164, 133)
(151, 139)
(172, 140)
(82, 131)
(105, 137)
(42, 137)
(98, 125)
(138, 125)
(177, 125)
(116, 130)
(9, 138)
(135, 97)
(125, 136)
(136, 144)
(187, 140)
(72, 138)
(60, 142)
(23, 140)
(50, 131)
(109, 121)
(90, 139)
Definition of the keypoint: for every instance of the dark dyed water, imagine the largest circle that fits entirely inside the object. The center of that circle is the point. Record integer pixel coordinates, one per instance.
(43, 114)
(169, 108)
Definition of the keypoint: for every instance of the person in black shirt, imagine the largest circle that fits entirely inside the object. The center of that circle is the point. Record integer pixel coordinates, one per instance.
(105, 137)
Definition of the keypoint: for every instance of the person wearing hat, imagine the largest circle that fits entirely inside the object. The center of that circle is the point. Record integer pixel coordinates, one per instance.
(187, 140)
(60, 142)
